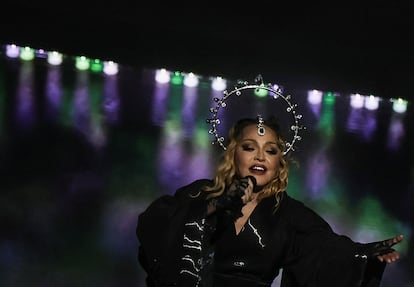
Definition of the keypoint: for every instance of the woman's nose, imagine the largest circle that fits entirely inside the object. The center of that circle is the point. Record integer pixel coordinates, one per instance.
(259, 157)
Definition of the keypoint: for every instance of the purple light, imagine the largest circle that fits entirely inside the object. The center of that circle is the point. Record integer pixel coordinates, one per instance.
(12, 51)
(111, 99)
(53, 92)
(25, 114)
(189, 110)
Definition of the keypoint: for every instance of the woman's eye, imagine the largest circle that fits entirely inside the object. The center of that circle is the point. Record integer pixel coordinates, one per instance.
(247, 148)
(272, 151)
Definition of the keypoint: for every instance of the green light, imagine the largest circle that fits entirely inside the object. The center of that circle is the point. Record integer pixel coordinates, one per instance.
(295, 184)
(373, 217)
(201, 138)
(329, 98)
(261, 93)
(177, 78)
(327, 119)
(82, 63)
(334, 201)
(96, 66)
(27, 54)
(95, 99)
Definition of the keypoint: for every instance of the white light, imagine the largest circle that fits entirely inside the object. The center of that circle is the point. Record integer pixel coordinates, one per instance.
(12, 51)
(371, 102)
(110, 68)
(54, 58)
(399, 105)
(277, 88)
(162, 76)
(315, 97)
(190, 80)
(218, 84)
(357, 101)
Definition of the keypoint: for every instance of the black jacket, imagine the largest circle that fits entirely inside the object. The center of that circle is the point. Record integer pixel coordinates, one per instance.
(294, 240)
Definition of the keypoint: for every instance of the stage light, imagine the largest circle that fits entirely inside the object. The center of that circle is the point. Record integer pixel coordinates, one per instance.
(190, 80)
(277, 88)
(82, 63)
(399, 105)
(357, 101)
(371, 102)
(96, 66)
(315, 97)
(329, 98)
(162, 76)
(218, 84)
(177, 78)
(40, 53)
(54, 58)
(110, 68)
(258, 92)
(27, 54)
(12, 51)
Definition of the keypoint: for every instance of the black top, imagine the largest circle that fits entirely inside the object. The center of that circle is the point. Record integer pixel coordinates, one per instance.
(175, 246)
(253, 251)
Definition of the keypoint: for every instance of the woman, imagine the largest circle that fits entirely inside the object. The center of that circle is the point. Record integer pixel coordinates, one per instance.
(242, 228)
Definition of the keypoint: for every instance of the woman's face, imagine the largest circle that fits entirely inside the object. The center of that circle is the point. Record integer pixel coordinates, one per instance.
(257, 155)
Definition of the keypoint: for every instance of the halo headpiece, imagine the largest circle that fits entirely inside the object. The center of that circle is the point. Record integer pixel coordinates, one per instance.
(276, 94)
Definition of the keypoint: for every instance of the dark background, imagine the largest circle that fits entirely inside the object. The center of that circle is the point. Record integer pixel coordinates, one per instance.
(69, 208)
(82, 154)
(355, 46)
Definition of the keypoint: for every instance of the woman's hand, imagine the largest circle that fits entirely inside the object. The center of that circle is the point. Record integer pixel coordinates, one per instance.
(393, 255)
(234, 198)
(246, 185)
(382, 250)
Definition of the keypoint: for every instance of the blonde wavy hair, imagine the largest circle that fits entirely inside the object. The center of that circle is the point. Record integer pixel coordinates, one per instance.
(226, 168)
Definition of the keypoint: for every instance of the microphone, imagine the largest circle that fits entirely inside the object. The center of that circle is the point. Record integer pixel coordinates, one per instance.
(253, 179)
(230, 202)
(243, 183)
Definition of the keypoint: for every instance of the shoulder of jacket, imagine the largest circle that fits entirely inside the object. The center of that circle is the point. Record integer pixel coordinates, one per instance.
(293, 207)
(292, 202)
(193, 189)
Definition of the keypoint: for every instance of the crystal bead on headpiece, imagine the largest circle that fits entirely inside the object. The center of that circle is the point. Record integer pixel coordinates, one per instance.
(276, 94)
(260, 127)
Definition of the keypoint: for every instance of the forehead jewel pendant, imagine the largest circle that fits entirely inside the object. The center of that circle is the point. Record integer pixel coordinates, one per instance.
(260, 127)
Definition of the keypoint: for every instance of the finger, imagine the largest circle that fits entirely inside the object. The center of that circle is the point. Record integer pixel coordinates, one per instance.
(233, 187)
(243, 185)
(245, 199)
(247, 186)
(399, 238)
(248, 181)
(395, 240)
(388, 242)
(252, 180)
(250, 193)
(247, 195)
(389, 257)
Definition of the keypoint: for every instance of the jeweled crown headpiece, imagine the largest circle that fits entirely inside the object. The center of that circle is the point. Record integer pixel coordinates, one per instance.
(276, 94)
